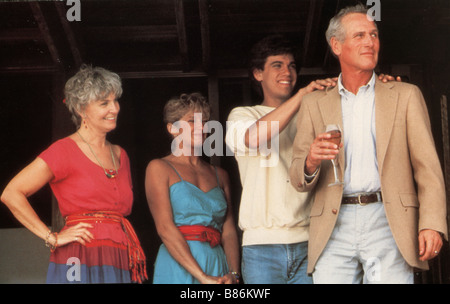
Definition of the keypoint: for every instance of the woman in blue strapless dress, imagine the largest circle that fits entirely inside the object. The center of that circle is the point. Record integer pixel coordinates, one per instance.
(190, 203)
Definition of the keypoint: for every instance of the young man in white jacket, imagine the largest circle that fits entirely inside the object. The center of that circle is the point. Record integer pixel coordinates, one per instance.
(274, 217)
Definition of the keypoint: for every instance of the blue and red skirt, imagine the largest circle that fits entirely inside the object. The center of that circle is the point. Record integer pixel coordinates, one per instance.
(113, 256)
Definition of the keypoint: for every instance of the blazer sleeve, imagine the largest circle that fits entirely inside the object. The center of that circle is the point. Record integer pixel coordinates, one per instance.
(426, 166)
(302, 142)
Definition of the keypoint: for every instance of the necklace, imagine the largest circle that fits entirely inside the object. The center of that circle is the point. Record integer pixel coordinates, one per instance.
(112, 173)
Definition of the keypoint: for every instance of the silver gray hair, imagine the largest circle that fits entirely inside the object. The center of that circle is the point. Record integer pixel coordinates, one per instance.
(87, 85)
(335, 28)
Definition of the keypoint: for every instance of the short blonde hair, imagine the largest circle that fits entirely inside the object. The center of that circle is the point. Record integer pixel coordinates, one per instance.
(176, 108)
(87, 85)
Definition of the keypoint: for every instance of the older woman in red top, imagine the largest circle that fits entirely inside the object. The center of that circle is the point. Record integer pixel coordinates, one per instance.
(90, 178)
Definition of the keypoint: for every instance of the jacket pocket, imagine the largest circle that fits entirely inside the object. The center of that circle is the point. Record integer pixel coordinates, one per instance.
(409, 200)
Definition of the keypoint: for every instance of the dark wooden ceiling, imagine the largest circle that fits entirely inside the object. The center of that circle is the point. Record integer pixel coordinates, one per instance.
(162, 38)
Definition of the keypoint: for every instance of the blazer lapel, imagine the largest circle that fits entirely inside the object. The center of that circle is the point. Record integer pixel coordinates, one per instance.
(330, 108)
(385, 111)
(331, 111)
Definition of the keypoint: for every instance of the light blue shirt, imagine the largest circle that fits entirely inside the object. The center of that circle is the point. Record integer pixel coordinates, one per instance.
(358, 114)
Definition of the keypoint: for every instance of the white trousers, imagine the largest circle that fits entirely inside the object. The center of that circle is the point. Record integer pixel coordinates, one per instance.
(362, 250)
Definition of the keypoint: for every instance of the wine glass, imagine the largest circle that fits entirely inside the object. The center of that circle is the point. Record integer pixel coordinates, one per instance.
(336, 134)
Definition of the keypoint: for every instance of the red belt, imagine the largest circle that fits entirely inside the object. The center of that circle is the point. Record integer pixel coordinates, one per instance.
(201, 233)
(136, 256)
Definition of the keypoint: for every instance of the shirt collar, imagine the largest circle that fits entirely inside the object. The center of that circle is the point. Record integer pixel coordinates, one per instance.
(369, 86)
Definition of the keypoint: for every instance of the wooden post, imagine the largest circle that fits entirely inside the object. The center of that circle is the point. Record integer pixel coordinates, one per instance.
(213, 98)
(61, 127)
(446, 148)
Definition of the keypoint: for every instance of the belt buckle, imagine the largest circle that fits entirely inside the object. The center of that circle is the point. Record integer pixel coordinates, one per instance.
(359, 200)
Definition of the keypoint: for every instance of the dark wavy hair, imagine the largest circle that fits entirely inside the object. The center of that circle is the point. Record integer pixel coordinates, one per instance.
(272, 45)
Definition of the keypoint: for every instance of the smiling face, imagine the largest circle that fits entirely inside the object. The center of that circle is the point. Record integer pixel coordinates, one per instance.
(277, 79)
(361, 45)
(196, 121)
(101, 115)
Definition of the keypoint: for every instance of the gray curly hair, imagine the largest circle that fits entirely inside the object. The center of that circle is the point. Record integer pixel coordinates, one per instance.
(87, 85)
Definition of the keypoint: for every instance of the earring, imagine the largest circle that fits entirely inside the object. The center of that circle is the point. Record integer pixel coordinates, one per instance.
(85, 124)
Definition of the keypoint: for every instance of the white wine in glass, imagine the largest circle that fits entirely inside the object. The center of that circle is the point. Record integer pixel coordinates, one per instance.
(336, 135)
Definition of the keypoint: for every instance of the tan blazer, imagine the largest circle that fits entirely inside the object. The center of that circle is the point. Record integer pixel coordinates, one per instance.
(405, 152)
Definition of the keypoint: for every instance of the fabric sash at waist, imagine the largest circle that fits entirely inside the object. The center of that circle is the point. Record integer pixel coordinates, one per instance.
(136, 256)
(201, 234)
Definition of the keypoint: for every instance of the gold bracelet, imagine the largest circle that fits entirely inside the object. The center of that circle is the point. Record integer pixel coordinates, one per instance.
(237, 276)
(47, 243)
(53, 248)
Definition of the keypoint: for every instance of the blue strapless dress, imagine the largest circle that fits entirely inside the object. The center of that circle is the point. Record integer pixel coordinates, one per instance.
(192, 206)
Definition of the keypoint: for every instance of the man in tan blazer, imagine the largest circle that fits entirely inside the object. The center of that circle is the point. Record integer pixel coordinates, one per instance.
(389, 216)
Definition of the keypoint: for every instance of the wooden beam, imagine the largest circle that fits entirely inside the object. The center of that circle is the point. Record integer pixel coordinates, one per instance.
(132, 33)
(205, 33)
(45, 32)
(213, 99)
(62, 126)
(312, 31)
(159, 74)
(446, 148)
(74, 42)
(20, 34)
(327, 55)
(36, 69)
(220, 74)
(143, 74)
(182, 36)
